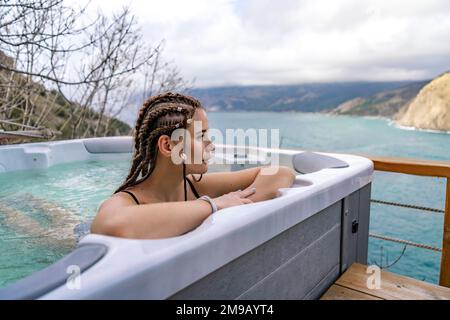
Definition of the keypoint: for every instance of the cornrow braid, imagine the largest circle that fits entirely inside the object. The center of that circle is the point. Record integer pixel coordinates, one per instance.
(159, 115)
(148, 127)
(160, 99)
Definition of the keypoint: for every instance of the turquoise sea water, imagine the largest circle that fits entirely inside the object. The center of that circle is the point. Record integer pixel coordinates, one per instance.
(72, 192)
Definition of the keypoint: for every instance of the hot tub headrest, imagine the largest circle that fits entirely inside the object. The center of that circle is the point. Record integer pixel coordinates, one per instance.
(308, 162)
(109, 145)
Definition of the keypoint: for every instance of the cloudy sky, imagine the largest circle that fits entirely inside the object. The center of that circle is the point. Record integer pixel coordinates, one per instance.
(296, 41)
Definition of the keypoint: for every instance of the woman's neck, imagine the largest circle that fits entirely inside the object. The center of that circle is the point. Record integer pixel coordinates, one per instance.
(165, 184)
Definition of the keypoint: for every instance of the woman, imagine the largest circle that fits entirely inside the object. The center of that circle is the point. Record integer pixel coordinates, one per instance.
(154, 201)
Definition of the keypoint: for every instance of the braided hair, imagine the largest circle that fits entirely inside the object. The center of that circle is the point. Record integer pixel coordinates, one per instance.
(159, 115)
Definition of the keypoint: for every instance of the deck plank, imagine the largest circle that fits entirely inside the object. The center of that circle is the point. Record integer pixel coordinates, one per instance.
(337, 292)
(393, 286)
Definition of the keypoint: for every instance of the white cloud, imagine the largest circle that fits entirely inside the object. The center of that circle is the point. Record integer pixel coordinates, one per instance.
(291, 41)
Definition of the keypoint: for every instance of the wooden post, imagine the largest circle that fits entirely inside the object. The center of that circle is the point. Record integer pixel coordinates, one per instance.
(445, 258)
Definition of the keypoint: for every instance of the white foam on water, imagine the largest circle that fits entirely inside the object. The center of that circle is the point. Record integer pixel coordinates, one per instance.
(392, 123)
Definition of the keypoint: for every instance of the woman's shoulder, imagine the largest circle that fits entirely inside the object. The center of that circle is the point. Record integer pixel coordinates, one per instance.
(108, 209)
(116, 200)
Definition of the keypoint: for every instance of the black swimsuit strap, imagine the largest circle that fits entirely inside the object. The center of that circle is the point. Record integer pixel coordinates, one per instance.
(190, 184)
(193, 188)
(132, 195)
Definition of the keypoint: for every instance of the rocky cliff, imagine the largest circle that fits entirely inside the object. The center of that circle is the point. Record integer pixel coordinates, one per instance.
(430, 109)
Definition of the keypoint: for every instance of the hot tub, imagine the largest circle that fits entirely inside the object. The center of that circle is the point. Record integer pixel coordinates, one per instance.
(291, 247)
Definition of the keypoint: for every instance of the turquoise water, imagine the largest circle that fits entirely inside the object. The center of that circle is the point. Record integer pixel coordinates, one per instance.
(40, 208)
(36, 232)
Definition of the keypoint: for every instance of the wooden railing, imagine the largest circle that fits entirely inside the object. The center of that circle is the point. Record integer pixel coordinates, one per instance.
(430, 169)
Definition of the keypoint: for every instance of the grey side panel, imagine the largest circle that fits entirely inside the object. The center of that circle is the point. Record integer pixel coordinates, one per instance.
(55, 275)
(305, 253)
(355, 227)
(324, 284)
(301, 274)
(364, 219)
(349, 239)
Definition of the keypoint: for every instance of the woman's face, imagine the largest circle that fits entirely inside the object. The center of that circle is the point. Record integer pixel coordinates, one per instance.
(201, 146)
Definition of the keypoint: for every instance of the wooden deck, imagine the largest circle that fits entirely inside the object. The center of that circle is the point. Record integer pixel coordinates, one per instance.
(352, 285)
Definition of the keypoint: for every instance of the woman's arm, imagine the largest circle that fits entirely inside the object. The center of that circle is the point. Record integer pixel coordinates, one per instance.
(217, 183)
(119, 216)
(267, 185)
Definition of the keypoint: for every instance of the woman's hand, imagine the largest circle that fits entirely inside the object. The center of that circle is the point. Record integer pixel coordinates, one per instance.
(234, 198)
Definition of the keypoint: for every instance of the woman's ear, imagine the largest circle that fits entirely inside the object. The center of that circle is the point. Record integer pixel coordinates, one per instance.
(165, 145)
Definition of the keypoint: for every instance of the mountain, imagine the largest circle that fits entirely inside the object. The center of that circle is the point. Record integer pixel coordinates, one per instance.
(315, 97)
(430, 109)
(383, 104)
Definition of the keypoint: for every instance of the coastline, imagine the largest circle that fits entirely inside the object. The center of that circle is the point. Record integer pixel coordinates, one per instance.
(411, 128)
(390, 121)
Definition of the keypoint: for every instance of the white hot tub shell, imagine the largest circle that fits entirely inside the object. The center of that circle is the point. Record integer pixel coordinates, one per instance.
(291, 247)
